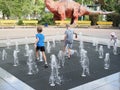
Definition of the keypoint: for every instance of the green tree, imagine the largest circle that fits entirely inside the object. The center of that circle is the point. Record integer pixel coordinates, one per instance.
(39, 8)
(4, 8)
(10, 7)
(15, 8)
(19, 8)
(117, 6)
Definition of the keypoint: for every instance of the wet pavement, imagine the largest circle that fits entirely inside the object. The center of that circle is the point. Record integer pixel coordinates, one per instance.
(70, 73)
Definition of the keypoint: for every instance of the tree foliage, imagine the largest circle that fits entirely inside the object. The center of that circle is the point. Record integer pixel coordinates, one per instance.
(117, 6)
(19, 8)
(107, 5)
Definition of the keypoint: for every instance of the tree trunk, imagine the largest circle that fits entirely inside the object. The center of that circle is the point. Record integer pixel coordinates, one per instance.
(3, 16)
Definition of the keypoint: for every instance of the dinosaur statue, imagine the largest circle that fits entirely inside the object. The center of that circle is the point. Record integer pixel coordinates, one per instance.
(69, 9)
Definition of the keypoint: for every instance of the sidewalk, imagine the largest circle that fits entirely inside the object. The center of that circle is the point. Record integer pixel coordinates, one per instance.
(30, 32)
(19, 34)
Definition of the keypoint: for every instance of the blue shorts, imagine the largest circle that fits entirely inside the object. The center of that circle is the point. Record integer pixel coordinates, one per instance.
(69, 45)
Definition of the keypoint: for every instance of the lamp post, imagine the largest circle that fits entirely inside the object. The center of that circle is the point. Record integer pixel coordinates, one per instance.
(82, 5)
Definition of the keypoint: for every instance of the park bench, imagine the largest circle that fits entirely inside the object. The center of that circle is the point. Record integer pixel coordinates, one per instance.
(83, 23)
(61, 23)
(30, 22)
(8, 23)
(104, 24)
(78, 23)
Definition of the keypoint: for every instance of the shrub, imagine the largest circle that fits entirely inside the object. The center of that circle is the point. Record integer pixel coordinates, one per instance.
(20, 22)
(47, 18)
(115, 17)
(93, 18)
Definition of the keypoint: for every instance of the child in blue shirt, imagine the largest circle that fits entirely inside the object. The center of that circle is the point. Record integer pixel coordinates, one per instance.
(39, 45)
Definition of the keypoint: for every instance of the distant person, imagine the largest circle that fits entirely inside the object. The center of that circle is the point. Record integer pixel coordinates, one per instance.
(39, 45)
(113, 38)
(68, 39)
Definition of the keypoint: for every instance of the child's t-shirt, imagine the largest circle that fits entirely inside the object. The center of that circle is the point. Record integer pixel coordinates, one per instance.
(69, 35)
(40, 39)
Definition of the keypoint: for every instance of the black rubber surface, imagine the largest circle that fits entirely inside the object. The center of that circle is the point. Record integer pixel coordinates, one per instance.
(70, 73)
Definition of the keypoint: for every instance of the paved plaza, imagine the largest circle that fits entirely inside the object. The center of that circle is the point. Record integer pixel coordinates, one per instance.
(16, 78)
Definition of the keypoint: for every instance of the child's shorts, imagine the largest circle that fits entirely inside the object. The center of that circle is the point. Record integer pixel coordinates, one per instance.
(41, 48)
(67, 44)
